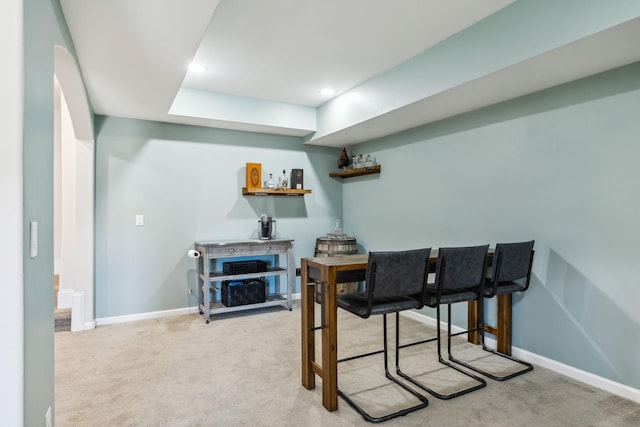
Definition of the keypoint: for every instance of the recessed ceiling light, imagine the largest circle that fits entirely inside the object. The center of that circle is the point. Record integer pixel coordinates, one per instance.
(197, 68)
(327, 91)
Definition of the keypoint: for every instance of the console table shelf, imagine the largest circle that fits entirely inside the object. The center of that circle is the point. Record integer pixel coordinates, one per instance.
(218, 275)
(219, 308)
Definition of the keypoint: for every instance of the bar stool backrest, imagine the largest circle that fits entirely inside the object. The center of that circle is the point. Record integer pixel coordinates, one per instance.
(461, 268)
(397, 274)
(512, 261)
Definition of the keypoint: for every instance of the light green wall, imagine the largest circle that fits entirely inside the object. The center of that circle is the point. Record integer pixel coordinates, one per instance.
(519, 32)
(44, 26)
(559, 166)
(187, 182)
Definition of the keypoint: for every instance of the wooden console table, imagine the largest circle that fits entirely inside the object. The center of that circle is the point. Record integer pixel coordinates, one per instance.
(214, 250)
(329, 271)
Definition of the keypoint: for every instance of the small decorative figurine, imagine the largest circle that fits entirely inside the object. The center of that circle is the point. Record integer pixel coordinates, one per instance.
(343, 161)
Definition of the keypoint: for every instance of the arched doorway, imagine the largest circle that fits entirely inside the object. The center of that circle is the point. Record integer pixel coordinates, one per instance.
(74, 208)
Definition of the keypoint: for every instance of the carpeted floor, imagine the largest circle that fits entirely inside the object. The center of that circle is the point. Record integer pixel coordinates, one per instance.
(244, 370)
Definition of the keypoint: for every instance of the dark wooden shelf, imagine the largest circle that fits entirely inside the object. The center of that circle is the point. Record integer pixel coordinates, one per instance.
(349, 173)
(272, 192)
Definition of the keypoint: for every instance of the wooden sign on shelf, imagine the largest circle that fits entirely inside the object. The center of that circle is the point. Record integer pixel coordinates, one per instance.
(254, 175)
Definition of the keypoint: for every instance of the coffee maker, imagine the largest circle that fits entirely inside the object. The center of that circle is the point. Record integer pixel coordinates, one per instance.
(267, 227)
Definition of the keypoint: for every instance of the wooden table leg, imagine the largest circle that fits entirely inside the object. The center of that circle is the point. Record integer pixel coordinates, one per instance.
(329, 341)
(504, 324)
(308, 324)
(472, 322)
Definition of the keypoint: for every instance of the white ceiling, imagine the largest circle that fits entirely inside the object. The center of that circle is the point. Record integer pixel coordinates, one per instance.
(287, 50)
(133, 54)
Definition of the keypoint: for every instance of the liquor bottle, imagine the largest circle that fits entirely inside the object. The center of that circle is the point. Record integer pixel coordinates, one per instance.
(271, 183)
(284, 181)
(368, 162)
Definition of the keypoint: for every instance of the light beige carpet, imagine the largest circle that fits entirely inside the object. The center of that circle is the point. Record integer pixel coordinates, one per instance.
(244, 370)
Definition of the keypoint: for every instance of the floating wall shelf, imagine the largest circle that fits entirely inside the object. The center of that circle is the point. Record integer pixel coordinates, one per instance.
(272, 192)
(349, 173)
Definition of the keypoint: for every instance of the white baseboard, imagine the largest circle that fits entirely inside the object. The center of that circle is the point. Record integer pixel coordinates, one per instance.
(65, 298)
(143, 316)
(579, 375)
(566, 370)
(152, 315)
(89, 325)
(77, 312)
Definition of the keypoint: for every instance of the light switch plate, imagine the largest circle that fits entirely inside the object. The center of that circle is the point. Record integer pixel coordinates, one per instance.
(34, 239)
(139, 220)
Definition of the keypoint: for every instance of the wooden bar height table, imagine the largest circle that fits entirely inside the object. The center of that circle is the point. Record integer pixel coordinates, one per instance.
(327, 272)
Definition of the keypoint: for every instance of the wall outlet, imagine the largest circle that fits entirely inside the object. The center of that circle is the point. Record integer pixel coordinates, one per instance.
(297, 272)
(47, 418)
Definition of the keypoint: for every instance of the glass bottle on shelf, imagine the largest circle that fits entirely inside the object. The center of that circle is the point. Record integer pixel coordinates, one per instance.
(337, 231)
(284, 181)
(271, 183)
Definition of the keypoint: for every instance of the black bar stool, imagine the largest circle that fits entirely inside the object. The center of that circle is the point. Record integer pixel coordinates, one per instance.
(511, 272)
(394, 282)
(460, 273)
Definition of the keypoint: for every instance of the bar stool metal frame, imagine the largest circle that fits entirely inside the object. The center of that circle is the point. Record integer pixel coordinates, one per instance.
(460, 273)
(512, 263)
(394, 282)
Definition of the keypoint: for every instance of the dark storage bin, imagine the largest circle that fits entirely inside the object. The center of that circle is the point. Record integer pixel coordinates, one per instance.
(242, 267)
(243, 292)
